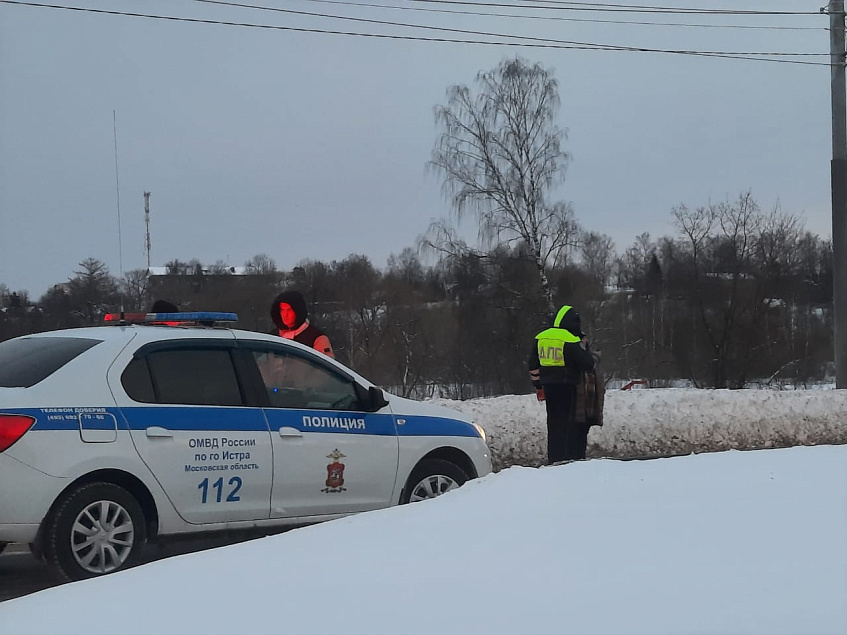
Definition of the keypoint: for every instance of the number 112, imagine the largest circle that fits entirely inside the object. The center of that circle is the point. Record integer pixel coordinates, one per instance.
(219, 485)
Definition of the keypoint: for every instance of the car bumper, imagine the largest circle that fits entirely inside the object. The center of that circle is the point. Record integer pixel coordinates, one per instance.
(482, 459)
(26, 495)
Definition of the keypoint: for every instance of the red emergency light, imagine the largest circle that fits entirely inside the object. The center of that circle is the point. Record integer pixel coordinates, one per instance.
(126, 318)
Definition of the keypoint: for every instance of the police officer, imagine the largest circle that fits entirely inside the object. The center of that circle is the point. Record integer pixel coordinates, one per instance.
(291, 318)
(559, 358)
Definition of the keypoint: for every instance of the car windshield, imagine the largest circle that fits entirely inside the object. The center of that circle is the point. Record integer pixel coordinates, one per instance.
(26, 361)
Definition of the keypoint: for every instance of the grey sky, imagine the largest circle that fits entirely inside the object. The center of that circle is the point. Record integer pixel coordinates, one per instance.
(305, 145)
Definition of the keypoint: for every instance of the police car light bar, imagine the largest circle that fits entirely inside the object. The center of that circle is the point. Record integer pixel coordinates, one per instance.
(205, 318)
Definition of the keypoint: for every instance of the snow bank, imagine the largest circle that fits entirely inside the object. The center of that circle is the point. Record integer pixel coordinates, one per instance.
(668, 421)
(732, 543)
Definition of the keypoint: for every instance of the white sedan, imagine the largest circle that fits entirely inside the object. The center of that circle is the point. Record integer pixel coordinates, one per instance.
(114, 435)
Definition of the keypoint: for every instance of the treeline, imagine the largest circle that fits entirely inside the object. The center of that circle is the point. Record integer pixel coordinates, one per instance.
(735, 296)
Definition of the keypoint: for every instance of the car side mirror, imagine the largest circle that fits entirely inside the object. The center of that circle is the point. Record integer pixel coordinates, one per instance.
(378, 399)
(371, 399)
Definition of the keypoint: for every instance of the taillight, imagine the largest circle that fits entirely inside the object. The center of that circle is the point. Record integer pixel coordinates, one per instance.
(12, 428)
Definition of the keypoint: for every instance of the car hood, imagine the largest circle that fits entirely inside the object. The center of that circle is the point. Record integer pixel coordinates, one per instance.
(403, 406)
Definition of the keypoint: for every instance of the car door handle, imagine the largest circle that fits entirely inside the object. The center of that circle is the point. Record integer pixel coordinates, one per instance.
(288, 431)
(158, 431)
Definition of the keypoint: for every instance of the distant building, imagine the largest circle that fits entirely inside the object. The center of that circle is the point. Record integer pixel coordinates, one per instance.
(206, 271)
(248, 295)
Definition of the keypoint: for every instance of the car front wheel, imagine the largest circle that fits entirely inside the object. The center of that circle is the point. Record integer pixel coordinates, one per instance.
(97, 528)
(432, 478)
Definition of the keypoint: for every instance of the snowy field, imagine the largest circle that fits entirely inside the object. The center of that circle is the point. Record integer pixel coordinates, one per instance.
(668, 421)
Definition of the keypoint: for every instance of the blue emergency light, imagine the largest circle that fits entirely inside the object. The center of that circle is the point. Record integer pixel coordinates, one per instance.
(192, 316)
(182, 318)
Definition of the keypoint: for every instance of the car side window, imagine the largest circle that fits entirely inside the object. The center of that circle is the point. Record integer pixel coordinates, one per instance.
(137, 383)
(195, 376)
(293, 381)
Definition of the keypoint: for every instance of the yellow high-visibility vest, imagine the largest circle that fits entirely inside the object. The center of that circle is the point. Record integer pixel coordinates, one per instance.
(551, 341)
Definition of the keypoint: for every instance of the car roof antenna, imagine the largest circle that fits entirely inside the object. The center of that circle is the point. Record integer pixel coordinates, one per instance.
(118, 192)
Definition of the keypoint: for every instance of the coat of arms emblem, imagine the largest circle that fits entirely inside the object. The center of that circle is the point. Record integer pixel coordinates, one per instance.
(335, 473)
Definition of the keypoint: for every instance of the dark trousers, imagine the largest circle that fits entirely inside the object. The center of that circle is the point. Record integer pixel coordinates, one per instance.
(566, 439)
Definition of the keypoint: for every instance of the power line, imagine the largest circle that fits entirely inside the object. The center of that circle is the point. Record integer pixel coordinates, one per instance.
(552, 45)
(618, 8)
(627, 7)
(564, 19)
(242, 5)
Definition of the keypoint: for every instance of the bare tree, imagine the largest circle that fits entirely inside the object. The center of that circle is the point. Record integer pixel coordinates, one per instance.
(261, 264)
(220, 268)
(177, 268)
(358, 286)
(134, 288)
(406, 267)
(722, 241)
(598, 253)
(195, 267)
(500, 154)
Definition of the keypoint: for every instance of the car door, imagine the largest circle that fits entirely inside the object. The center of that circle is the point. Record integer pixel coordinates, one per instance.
(184, 403)
(330, 455)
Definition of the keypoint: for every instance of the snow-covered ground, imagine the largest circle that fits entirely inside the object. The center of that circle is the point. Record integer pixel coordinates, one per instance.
(668, 421)
(725, 543)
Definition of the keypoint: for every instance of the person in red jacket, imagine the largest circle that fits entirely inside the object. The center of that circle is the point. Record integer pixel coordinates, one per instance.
(291, 318)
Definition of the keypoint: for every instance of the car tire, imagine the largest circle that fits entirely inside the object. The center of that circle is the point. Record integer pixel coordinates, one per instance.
(95, 529)
(3, 545)
(431, 478)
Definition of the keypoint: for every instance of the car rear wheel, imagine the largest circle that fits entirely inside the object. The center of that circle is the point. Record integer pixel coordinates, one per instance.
(432, 478)
(95, 529)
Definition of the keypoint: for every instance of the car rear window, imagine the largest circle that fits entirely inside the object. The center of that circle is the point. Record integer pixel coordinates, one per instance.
(26, 361)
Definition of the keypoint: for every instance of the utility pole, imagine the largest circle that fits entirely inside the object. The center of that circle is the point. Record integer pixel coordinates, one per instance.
(147, 222)
(838, 173)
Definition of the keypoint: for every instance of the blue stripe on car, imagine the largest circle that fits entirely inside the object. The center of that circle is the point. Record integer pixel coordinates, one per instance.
(199, 418)
(420, 426)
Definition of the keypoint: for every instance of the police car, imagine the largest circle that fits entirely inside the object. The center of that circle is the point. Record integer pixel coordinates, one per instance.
(167, 424)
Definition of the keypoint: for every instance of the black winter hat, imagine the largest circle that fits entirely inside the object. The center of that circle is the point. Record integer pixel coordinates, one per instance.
(573, 323)
(163, 306)
(296, 301)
